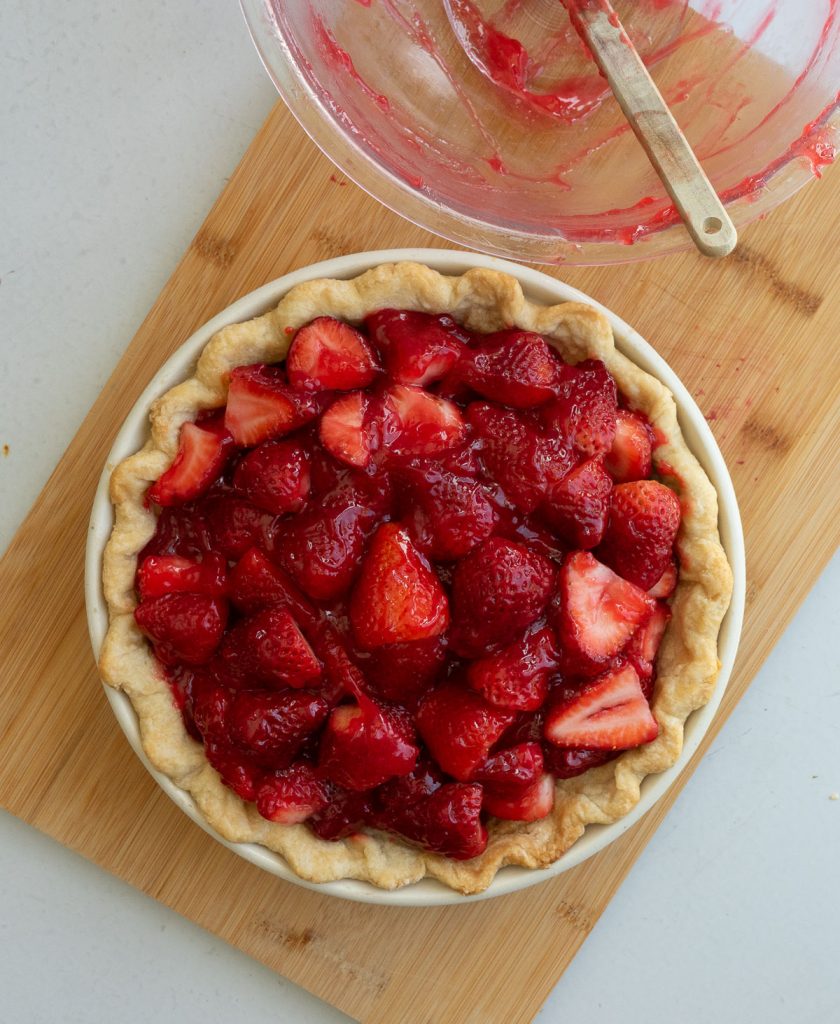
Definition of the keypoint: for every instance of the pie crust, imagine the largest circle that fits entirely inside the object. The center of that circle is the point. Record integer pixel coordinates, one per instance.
(484, 300)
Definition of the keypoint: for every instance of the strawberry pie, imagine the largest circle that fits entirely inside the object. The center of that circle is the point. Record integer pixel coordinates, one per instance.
(414, 576)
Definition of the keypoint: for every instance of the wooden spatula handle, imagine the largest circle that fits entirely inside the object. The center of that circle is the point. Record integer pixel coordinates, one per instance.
(699, 206)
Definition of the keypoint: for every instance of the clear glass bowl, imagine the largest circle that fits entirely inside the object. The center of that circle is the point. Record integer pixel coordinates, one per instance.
(486, 122)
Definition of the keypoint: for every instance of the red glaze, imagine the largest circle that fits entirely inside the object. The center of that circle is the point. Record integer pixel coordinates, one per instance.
(401, 586)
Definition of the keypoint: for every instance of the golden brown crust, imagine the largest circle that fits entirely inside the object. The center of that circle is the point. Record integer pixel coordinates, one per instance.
(484, 300)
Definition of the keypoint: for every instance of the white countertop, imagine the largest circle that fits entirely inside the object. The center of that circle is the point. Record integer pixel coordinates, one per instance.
(119, 126)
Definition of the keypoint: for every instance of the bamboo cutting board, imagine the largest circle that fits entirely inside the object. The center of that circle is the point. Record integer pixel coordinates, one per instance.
(753, 337)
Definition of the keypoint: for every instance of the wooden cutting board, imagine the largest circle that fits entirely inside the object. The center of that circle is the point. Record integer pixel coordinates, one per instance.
(753, 337)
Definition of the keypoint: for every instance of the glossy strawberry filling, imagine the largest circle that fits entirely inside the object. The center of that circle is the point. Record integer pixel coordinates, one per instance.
(411, 578)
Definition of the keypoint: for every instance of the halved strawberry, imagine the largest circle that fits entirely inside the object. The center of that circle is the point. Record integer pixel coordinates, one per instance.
(577, 507)
(516, 368)
(275, 476)
(269, 649)
(419, 348)
(183, 627)
(209, 705)
(419, 423)
(261, 406)
(292, 795)
(666, 584)
(403, 672)
(585, 408)
(459, 728)
(512, 453)
(608, 713)
(344, 431)
(321, 548)
(203, 452)
(513, 769)
(569, 762)
(237, 769)
(447, 821)
(516, 677)
(644, 644)
(639, 539)
(498, 590)
(271, 725)
(397, 597)
(179, 531)
(630, 455)
(596, 614)
(363, 746)
(447, 514)
(257, 583)
(329, 355)
(174, 574)
(531, 804)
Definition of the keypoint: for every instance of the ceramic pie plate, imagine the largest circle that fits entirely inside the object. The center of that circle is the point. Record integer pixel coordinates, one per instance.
(540, 288)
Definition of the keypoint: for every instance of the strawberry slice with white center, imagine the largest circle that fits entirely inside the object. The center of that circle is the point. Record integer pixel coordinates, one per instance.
(644, 645)
(630, 455)
(419, 348)
(598, 612)
(262, 406)
(328, 355)
(344, 431)
(531, 804)
(203, 451)
(609, 713)
(666, 584)
(419, 423)
(291, 796)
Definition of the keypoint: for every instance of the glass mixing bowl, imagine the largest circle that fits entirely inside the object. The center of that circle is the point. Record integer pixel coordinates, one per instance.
(486, 121)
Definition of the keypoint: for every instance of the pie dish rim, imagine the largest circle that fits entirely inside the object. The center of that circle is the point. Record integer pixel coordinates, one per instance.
(544, 290)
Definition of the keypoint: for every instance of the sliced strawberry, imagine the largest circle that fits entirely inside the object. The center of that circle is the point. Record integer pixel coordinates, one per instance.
(179, 531)
(533, 803)
(498, 590)
(404, 672)
(346, 814)
(238, 771)
(174, 574)
(598, 612)
(419, 348)
(639, 539)
(203, 452)
(292, 795)
(257, 583)
(328, 355)
(321, 549)
(569, 762)
(630, 455)
(666, 584)
(275, 477)
(513, 769)
(447, 514)
(459, 728)
(234, 524)
(585, 408)
(337, 485)
(644, 644)
(269, 649)
(609, 713)
(345, 431)
(513, 367)
(447, 821)
(578, 506)
(419, 423)
(512, 453)
(365, 745)
(261, 406)
(210, 705)
(272, 725)
(183, 627)
(397, 597)
(516, 677)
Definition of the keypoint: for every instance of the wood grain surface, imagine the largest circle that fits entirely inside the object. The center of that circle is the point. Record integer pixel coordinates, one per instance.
(753, 337)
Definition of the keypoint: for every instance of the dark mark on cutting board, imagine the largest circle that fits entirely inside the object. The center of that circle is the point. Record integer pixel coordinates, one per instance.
(802, 300)
(765, 435)
(214, 249)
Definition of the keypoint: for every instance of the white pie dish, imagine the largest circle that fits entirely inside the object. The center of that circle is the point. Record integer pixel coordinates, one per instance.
(543, 289)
